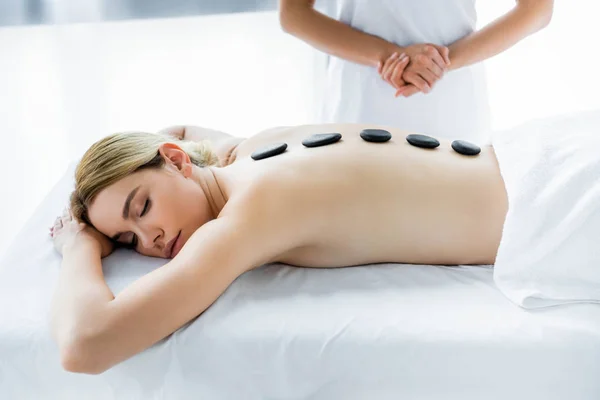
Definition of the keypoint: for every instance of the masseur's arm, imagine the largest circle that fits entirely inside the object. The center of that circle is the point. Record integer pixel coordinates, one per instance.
(96, 330)
(526, 18)
(223, 144)
(299, 18)
(428, 61)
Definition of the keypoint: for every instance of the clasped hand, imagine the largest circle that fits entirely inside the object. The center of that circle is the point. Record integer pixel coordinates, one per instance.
(416, 69)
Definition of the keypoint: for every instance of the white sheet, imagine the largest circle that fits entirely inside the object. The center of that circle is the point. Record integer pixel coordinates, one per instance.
(548, 253)
(373, 332)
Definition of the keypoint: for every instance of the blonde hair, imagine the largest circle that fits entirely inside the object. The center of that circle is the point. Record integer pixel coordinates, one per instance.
(120, 155)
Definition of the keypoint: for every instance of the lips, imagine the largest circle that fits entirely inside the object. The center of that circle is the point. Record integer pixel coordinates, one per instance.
(170, 253)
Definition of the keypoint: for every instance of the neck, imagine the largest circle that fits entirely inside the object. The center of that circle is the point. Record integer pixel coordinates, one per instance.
(207, 180)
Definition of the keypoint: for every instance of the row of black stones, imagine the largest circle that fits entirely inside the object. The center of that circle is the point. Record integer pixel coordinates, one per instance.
(460, 146)
(369, 135)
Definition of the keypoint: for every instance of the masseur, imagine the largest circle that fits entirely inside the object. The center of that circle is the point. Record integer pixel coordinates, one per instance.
(441, 80)
(310, 196)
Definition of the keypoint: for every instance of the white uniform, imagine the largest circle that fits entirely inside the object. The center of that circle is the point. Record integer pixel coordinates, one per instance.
(456, 108)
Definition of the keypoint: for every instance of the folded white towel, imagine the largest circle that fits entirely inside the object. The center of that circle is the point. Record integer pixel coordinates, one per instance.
(550, 248)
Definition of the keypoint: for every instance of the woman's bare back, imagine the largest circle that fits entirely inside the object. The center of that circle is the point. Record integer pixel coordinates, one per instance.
(355, 202)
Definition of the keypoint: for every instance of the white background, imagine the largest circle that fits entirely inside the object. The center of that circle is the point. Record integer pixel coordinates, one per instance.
(64, 86)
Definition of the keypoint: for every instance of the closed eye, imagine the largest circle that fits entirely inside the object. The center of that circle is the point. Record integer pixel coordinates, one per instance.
(134, 241)
(146, 207)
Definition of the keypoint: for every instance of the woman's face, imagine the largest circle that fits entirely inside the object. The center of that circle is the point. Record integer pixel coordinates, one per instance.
(153, 211)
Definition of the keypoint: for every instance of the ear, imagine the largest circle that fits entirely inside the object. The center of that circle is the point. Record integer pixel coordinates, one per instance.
(174, 156)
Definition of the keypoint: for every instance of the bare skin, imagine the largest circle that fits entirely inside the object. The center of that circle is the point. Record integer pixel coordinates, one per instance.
(436, 204)
(481, 181)
(345, 204)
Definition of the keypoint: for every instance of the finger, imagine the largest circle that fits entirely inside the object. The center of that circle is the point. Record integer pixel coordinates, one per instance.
(424, 68)
(410, 91)
(444, 52)
(436, 71)
(391, 57)
(386, 64)
(392, 72)
(387, 73)
(396, 75)
(419, 63)
(417, 81)
(398, 71)
(430, 78)
(381, 65)
(437, 65)
(404, 88)
(430, 55)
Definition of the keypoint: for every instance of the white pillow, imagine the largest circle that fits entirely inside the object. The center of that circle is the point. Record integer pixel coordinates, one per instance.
(550, 248)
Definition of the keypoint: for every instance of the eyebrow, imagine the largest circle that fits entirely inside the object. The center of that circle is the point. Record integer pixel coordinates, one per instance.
(126, 209)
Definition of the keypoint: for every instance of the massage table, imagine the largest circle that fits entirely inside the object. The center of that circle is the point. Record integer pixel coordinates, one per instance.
(386, 331)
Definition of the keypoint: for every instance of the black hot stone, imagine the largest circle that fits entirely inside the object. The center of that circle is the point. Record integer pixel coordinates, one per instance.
(321, 139)
(375, 135)
(269, 151)
(466, 148)
(423, 141)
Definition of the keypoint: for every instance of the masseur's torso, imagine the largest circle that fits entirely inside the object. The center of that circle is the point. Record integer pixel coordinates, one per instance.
(457, 107)
(355, 202)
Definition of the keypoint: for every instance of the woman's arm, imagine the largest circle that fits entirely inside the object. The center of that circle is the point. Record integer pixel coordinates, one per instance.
(526, 18)
(299, 18)
(78, 300)
(95, 330)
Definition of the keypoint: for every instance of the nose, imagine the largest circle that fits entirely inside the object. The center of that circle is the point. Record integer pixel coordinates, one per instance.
(149, 239)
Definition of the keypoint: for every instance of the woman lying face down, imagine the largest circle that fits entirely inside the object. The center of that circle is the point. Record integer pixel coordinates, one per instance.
(349, 202)
(153, 210)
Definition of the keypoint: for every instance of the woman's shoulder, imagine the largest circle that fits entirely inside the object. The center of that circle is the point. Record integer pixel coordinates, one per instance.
(257, 194)
(269, 203)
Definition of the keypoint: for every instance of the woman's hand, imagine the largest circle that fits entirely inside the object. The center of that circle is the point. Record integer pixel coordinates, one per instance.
(67, 231)
(428, 63)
